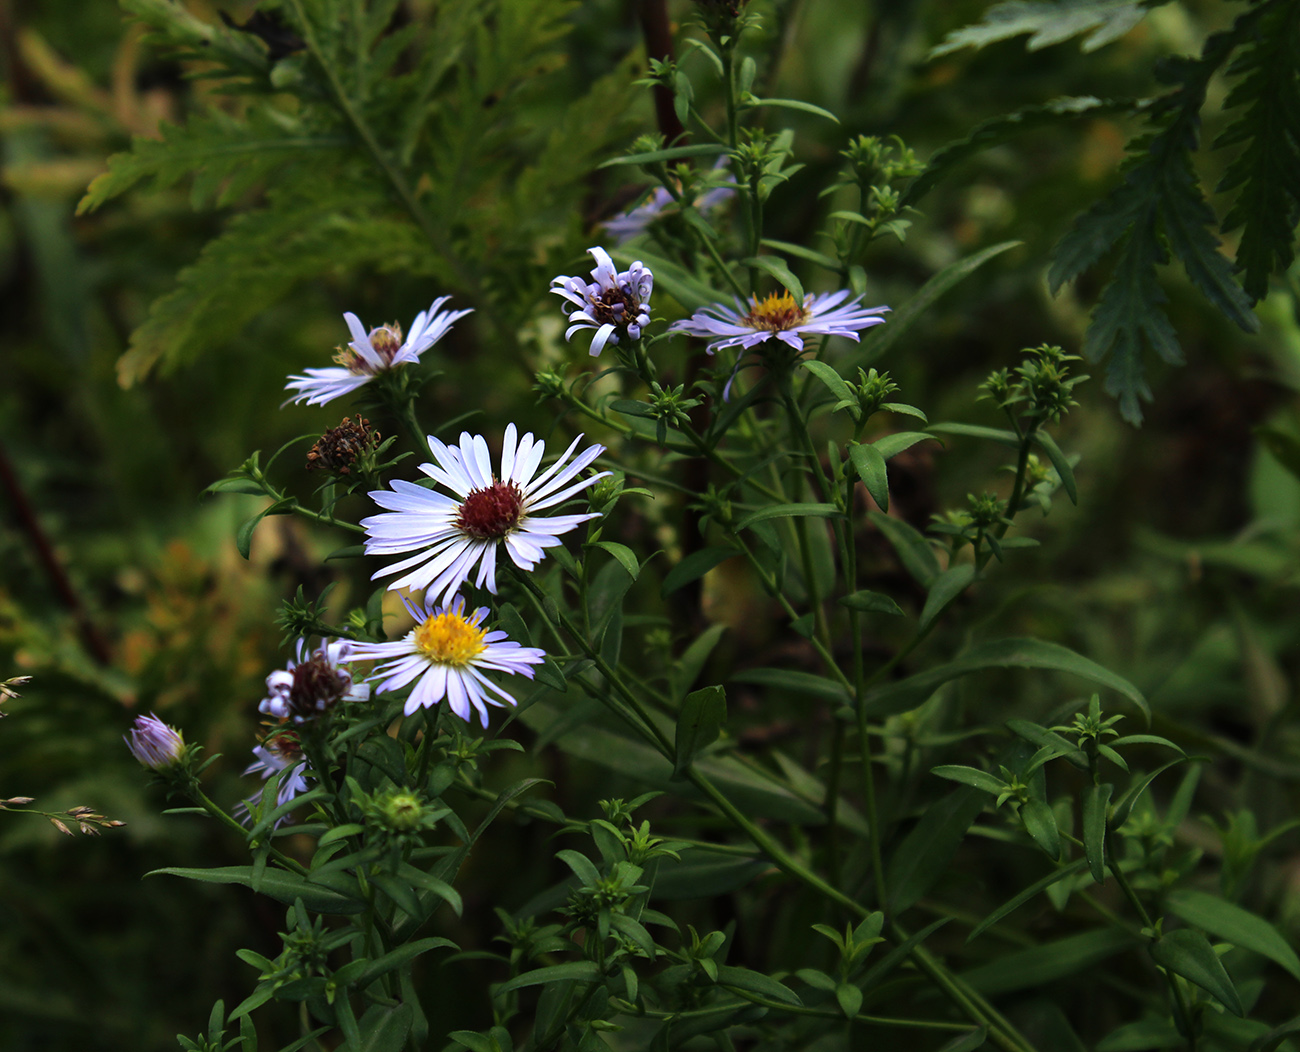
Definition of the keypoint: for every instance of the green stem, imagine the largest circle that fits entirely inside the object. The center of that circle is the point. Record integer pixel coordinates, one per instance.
(202, 799)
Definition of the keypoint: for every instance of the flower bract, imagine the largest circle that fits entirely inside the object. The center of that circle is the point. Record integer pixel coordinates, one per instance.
(446, 655)
(614, 304)
(780, 317)
(449, 535)
(370, 353)
(313, 683)
(155, 744)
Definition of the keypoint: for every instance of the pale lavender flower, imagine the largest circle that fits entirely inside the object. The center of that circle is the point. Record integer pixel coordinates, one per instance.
(281, 752)
(614, 304)
(370, 353)
(450, 535)
(313, 684)
(155, 744)
(446, 655)
(781, 317)
(629, 224)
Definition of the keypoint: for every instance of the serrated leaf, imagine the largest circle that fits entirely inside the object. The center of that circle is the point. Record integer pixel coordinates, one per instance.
(1189, 954)
(1049, 22)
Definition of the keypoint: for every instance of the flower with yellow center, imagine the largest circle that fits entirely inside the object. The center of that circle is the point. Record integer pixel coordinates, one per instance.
(371, 353)
(446, 655)
(779, 316)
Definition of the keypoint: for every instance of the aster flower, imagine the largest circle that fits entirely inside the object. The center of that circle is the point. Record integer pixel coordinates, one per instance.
(278, 753)
(445, 655)
(629, 224)
(450, 535)
(313, 684)
(369, 354)
(780, 317)
(612, 303)
(156, 745)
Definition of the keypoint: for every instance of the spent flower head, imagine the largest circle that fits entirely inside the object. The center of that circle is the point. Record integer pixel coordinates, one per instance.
(346, 448)
(446, 655)
(615, 304)
(370, 353)
(313, 683)
(450, 535)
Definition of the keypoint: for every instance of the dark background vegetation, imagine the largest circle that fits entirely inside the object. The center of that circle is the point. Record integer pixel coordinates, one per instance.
(1177, 569)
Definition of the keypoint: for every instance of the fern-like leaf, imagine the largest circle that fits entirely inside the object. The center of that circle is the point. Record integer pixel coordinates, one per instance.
(226, 54)
(1266, 172)
(1049, 22)
(226, 156)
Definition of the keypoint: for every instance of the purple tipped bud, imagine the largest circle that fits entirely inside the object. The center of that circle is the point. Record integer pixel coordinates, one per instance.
(154, 744)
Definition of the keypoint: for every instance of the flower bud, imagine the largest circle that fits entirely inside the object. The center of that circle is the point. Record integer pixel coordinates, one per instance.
(156, 745)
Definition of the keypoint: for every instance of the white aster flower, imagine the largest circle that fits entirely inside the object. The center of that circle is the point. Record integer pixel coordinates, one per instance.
(614, 304)
(283, 752)
(445, 655)
(313, 684)
(449, 536)
(369, 354)
(781, 317)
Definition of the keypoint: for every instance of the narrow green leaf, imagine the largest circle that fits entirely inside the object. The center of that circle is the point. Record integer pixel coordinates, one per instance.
(623, 554)
(1273, 1039)
(800, 252)
(1096, 803)
(279, 885)
(946, 587)
(1039, 821)
(699, 723)
(926, 852)
(384, 1028)
(1060, 462)
(914, 551)
(1235, 925)
(695, 566)
(871, 602)
(971, 776)
(785, 511)
(1016, 901)
(805, 683)
(791, 104)
(968, 1041)
(869, 463)
(778, 269)
(1142, 1035)
(907, 694)
(892, 445)
(991, 434)
(757, 983)
(672, 153)
(1189, 954)
(1048, 962)
(831, 378)
(850, 999)
(902, 319)
(579, 971)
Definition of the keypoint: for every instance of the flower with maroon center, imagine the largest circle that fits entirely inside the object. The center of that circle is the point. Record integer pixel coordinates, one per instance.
(780, 316)
(277, 752)
(313, 684)
(449, 536)
(372, 353)
(446, 655)
(614, 304)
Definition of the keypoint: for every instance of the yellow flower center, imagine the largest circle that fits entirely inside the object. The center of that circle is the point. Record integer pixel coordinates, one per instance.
(385, 341)
(776, 313)
(448, 639)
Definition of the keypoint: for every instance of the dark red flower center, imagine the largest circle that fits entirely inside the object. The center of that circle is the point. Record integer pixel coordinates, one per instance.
(614, 307)
(489, 514)
(317, 686)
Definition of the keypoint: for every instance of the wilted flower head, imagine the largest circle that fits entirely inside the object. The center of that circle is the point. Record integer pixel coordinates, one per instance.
(614, 304)
(449, 536)
(279, 752)
(446, 654)
(155, 744)
(313, 684)
(371, 353)
(781, 317)
(339, 448)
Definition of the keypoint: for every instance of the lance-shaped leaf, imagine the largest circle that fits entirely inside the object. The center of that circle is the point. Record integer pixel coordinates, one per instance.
(1189, 954)
(699, 723)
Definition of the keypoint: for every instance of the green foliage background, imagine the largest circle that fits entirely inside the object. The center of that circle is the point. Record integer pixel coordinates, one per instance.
(146, 341)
